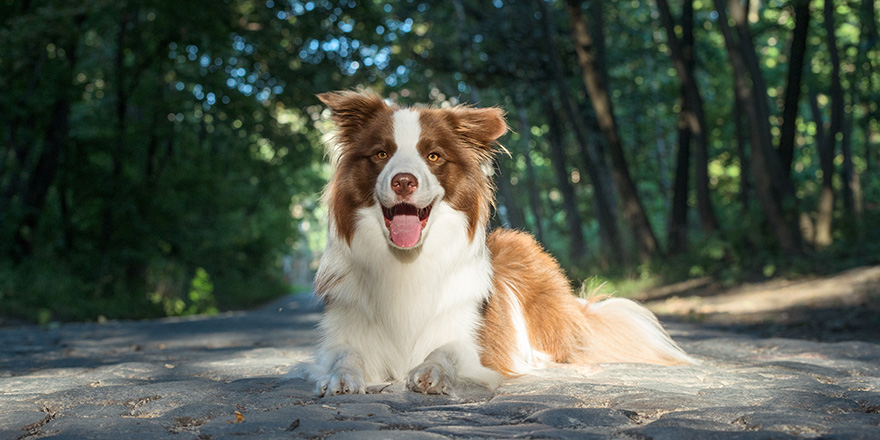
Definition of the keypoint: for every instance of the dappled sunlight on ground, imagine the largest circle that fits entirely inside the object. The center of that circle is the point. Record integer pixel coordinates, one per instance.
(838, 307)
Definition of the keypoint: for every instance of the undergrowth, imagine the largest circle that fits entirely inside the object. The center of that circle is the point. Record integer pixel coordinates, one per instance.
(735, 256)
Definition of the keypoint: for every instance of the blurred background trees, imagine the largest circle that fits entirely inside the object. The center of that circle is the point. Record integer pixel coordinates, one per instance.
(160, 158)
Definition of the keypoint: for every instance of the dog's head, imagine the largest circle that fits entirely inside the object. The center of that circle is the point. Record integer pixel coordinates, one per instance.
(402, 162)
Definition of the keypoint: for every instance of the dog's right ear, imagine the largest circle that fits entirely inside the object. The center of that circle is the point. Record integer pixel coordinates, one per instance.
(352, 109)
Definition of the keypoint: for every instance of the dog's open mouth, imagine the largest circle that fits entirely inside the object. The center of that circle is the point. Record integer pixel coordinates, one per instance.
(405, 223)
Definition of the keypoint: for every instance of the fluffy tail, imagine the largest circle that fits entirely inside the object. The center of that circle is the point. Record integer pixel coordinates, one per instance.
(621, 330)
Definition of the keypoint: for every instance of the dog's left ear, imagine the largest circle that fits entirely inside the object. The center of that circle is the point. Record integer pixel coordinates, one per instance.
(479, 126)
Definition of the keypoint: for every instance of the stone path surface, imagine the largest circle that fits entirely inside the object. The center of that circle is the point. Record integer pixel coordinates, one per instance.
(224, 377)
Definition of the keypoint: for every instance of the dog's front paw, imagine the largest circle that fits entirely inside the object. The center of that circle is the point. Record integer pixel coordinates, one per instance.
(342, 381)
(430, 378)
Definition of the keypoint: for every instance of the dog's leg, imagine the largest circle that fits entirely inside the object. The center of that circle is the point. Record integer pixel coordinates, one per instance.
(445, 365)
(342, 372)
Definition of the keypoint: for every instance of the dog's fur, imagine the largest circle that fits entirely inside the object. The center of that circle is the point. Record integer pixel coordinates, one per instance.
(416, 289)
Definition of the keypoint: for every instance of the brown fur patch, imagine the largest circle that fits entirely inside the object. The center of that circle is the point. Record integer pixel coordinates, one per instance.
(552, 314)
(463, 138)
(365, 128)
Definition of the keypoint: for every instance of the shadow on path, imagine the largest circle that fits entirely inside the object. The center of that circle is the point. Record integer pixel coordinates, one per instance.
(842, 307)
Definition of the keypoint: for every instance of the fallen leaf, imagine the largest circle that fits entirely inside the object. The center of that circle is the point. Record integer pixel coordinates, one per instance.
(293, 425)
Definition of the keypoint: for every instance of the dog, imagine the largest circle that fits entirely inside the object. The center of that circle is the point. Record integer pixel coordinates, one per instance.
(414, 286)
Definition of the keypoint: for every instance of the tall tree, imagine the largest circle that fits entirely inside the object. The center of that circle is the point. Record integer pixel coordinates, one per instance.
(772, 187)
(797, 51)
(869, 41)
(55, 140)
(827, 143)
(594, 74)
(692, 121)
(862, 92)
(594, 162)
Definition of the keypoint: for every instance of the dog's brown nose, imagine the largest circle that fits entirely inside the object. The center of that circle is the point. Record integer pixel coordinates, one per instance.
(404, 184)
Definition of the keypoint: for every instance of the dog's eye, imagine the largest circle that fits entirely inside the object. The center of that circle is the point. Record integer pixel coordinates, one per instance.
(433, 157)
(382, 155)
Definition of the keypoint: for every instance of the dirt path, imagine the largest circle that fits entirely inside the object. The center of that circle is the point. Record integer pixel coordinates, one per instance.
(842, 307)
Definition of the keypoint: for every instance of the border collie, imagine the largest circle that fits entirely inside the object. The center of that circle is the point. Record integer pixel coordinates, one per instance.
(414, 286)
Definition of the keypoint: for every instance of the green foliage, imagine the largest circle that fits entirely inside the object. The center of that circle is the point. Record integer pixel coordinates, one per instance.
(617, 284)
(152, 152)
(42, 292)
(200, 298)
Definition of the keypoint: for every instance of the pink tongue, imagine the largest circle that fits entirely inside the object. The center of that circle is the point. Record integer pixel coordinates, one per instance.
(405, 228)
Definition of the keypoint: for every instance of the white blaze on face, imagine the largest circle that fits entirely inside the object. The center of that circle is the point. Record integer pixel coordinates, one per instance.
(407, 130)
(407, 218)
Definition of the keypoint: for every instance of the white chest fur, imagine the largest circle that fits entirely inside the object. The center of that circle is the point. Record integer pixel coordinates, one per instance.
(397, 306)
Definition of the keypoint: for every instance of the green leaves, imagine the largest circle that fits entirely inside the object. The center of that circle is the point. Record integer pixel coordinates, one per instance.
(199, 300)
(189, 139)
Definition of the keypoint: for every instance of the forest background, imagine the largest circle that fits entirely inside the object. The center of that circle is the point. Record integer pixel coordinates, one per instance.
(161, 158)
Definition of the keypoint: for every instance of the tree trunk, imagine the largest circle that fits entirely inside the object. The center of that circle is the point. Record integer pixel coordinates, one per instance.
(108, 223)
(557, 156)
(594, 162)
(19, 143)
(656, 142)
(677, 232)
(593, 69)
(692, 113)
(741, 143)
(850, 188)
(64, 211)
(861, 80)
(55, 140)
(827, 145)
(772, 188)
(797, 53)
(869, 37)
(44, 173)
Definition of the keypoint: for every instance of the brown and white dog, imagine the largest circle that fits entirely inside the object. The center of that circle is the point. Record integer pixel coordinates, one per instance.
(414, 286)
